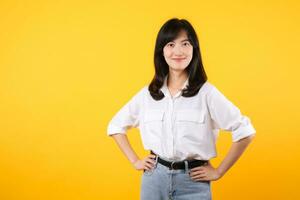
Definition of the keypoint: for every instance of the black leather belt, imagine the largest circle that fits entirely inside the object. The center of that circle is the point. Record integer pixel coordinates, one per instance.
(180, 164)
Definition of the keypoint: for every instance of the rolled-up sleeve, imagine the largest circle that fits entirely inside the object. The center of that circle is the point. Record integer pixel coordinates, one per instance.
(227, 116)
(128, 116)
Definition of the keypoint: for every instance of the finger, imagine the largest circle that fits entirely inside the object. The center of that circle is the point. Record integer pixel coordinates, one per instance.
(199, 176)
(149, 165)
(151, 156)
(197, 169)
(150, 161)
(194, 174)
(146, 168)
(201, 179)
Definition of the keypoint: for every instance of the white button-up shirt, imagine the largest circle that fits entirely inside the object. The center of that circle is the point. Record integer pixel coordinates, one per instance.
(178, 128)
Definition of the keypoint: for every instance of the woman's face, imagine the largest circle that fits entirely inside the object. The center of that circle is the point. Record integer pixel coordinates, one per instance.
(179, 52)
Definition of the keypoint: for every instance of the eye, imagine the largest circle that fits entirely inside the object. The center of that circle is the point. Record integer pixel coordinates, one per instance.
(186, 44)
(171, 44)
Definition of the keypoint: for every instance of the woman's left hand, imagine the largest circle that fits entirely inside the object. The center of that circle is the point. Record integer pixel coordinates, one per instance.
(205, 173)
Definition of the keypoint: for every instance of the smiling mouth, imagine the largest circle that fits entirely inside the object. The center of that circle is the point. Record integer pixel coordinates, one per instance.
(178, 59)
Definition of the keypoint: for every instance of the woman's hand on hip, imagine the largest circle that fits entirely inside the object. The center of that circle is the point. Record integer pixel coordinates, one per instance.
(146, 163)
(205, 173)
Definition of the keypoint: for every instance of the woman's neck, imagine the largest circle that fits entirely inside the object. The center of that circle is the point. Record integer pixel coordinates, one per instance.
(176, 79)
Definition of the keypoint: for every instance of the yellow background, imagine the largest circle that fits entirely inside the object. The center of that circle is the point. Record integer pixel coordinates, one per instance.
(67, 67)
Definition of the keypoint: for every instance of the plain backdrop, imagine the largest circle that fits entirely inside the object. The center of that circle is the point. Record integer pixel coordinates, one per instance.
(66, 67)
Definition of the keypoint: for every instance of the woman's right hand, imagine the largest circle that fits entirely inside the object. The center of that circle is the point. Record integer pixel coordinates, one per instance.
(146, 163)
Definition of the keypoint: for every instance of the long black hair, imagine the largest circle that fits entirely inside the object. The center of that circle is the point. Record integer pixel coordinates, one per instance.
(195, 70)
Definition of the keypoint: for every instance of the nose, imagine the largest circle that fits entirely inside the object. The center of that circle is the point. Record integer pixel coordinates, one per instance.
(177, 50)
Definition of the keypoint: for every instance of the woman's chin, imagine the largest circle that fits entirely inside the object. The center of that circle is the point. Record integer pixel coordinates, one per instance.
(178, 68)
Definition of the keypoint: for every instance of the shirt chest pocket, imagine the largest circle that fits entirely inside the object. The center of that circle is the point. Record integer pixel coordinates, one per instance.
(190, 125)
(153, 123)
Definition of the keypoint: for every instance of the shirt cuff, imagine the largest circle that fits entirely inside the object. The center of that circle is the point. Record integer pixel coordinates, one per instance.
(243, 132)
(113, 129)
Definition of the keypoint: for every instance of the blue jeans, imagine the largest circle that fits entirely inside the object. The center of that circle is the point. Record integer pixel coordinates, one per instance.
(161, 183)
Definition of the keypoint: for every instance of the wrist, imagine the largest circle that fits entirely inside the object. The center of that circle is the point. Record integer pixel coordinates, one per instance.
(134, 161)
(219, 172)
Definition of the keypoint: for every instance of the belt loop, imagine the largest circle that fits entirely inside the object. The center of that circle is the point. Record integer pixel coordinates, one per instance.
(156, 160)
(186, 166)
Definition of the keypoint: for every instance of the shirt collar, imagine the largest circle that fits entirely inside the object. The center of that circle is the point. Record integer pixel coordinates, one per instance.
(166, 91)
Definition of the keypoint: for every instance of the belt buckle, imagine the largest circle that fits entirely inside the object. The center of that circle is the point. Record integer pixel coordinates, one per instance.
(172, 164)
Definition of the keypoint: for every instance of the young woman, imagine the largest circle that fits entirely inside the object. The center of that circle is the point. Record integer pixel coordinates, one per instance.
(179, 115)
